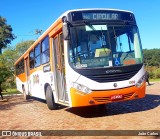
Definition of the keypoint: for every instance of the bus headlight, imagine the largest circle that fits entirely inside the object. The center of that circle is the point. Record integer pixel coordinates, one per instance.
(141, 80)
(81, 88)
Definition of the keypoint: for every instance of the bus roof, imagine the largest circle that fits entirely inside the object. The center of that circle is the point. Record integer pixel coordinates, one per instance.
(89, 9)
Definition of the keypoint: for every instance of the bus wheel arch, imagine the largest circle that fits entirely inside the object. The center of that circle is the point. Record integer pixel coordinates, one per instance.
(50, 97)
(45, 87)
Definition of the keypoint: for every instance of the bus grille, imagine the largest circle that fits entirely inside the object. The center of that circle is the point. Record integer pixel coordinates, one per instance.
(107, 99)
(112, 77)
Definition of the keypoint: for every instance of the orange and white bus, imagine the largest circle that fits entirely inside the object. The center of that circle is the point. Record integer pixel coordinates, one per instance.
(86, 57)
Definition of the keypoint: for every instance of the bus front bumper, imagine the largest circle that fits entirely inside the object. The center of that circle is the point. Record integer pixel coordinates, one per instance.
(79, 98)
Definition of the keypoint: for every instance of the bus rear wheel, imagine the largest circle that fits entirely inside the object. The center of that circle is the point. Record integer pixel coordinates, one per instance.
(50, 99)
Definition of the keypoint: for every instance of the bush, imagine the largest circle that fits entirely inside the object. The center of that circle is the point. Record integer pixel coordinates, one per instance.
(154, 72)
(157, 73)
(6, 85)
(151, 75)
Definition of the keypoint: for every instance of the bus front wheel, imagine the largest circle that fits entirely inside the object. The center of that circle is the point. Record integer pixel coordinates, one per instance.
(50, 99)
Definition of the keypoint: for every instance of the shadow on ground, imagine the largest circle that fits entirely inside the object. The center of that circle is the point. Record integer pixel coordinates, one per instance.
(59, 106)
(12, 101)
(147, 103)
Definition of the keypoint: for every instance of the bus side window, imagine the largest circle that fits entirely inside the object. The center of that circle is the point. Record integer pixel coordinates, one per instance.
(45, 51)
(37, 55)
(31, 59)
(20, 67)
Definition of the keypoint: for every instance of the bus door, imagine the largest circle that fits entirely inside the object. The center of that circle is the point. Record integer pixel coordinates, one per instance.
(59, 64)
(26, 59)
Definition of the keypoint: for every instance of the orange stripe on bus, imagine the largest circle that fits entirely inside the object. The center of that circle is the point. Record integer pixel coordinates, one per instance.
(22, 77)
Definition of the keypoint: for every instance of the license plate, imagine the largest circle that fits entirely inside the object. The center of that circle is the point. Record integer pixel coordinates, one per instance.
(116, 97)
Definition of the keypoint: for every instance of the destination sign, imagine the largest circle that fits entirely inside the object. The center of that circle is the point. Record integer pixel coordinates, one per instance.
(101, 16)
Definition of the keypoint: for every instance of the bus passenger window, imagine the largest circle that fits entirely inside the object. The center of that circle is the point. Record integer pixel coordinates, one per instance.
(31, 59)
(37, 55)
(45, 50)
(20, 67)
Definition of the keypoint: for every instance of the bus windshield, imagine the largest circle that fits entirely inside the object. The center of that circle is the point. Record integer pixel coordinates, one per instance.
(101, 46)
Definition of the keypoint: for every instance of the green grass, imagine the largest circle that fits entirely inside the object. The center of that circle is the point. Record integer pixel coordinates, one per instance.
(154, 80)
(10, 92)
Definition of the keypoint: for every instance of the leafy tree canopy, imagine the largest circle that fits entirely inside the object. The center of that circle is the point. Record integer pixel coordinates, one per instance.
(152, 57)
(8, 58)
(6, 35)
(4, 73)
(23, 46)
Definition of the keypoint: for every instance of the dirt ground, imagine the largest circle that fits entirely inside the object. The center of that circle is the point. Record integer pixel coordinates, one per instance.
(140, 114)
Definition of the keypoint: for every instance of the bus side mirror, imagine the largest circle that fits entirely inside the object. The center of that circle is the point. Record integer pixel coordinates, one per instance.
(66, 33)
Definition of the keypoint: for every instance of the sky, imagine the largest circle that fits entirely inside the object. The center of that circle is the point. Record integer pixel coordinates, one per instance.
(25, 16)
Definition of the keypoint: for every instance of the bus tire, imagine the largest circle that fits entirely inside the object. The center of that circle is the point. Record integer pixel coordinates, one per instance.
(50, 99)
(25, 96)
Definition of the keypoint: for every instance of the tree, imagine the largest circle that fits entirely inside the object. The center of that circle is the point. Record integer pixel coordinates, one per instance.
(23, 46)
(9, 56)
(151, 57)
(38, 32)
(6, 35)
(4, 73)
(152, 62)
(7, 60)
